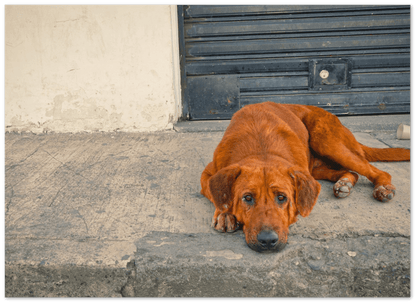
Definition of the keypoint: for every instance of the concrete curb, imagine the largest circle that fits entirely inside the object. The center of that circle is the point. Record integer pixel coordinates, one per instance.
(354, 123)
(207, 265)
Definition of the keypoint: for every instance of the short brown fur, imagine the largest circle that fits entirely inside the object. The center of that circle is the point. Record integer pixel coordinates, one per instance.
(264, 170)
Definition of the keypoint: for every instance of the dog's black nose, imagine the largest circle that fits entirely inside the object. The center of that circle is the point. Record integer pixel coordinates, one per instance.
(267, 239)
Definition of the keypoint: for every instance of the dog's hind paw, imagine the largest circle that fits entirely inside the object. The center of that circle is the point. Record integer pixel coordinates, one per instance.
(384, 193)
(225, 222)
(342, 188)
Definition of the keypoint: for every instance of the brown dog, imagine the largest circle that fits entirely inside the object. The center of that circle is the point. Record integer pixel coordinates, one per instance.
(265, 168)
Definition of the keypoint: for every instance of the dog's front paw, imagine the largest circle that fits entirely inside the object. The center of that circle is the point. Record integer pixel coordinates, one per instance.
(384, 193)
(343, 188)
(224, 222)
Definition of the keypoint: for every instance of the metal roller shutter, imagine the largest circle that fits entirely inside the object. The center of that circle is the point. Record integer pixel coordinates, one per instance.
(348, 60)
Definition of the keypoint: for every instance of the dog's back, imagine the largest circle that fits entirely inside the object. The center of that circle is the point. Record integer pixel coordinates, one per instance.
(264, 130)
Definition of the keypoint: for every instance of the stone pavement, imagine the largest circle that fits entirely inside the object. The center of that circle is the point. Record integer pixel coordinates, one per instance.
(120, 214)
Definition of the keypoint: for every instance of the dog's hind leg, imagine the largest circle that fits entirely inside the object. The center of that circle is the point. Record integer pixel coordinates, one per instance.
(344, 179)
(329, 139)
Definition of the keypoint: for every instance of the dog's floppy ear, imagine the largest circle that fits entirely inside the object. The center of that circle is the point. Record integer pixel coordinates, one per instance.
(306, 192)
(221, 185)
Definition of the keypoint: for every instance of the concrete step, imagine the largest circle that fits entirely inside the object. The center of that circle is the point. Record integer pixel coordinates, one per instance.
(354, 123)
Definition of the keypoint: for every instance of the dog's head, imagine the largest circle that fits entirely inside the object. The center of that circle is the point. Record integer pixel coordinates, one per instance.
(265, 199)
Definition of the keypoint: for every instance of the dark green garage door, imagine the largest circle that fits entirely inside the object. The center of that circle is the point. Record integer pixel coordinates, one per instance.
(349, 60)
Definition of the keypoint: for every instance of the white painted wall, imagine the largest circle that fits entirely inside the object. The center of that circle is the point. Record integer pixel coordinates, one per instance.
(91, 68)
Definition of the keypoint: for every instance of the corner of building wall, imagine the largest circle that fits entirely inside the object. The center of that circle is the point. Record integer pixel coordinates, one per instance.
(176, 69)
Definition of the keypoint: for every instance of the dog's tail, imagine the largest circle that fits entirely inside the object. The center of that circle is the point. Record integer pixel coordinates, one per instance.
(386, 154)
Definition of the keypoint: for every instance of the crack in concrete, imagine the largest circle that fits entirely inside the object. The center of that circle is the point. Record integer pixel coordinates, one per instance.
(127, 290)
(10, 200)
(390, 146)
(354, 236)
(22, 161)
(87, 239)
(200, 157)
(54, 198)
(82, 218)
(71, 170)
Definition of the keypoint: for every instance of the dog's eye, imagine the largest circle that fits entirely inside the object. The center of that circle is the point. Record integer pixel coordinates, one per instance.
(280, 198)
(248, 199)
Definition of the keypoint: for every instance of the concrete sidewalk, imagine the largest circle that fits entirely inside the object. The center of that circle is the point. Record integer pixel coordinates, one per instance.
(120, 214)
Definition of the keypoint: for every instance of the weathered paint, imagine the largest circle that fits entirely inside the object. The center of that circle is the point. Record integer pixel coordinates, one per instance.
(91, 68)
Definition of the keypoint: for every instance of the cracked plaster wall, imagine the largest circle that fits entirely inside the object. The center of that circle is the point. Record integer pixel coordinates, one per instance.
(91, 68)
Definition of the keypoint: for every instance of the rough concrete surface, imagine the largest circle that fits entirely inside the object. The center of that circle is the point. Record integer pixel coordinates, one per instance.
(120, 214)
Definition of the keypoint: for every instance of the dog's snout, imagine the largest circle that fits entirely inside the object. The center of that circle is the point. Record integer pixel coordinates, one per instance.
(267, 239)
